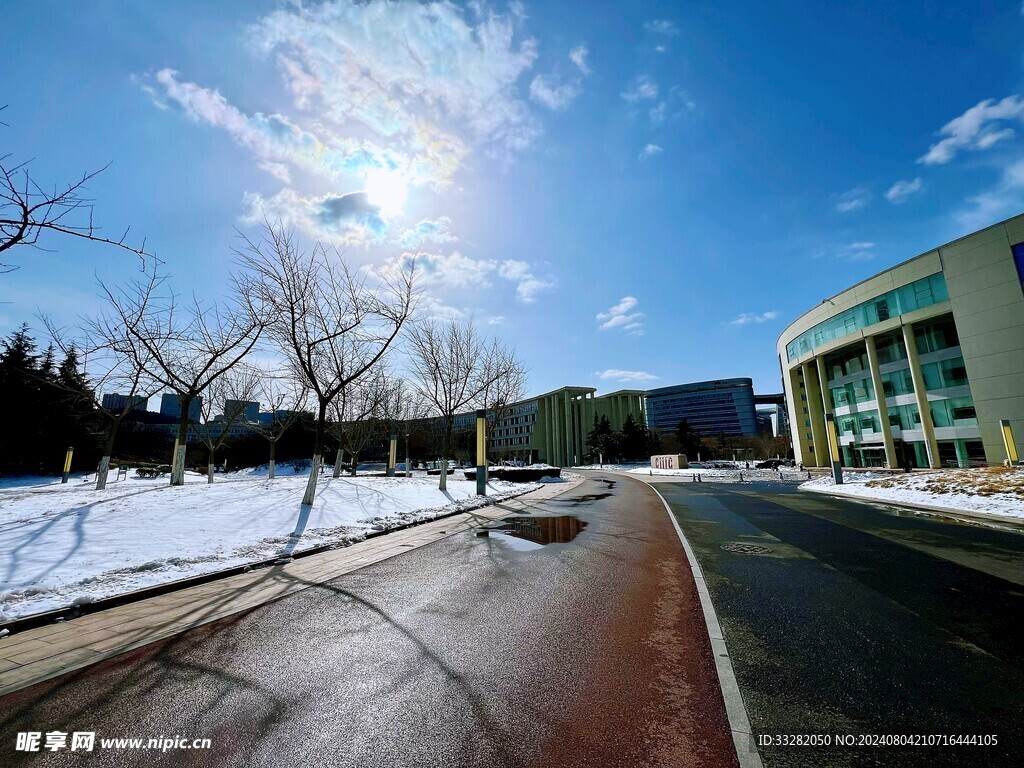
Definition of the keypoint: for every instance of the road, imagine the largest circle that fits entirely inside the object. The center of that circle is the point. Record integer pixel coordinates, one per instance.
(859, 620)
(471, 651)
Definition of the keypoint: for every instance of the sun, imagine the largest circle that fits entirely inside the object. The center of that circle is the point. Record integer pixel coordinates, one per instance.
(386, 189)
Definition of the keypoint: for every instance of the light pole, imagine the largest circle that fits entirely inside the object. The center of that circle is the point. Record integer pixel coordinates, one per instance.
(392, 455)
(833, 448)
(481, 453)
(408, 471)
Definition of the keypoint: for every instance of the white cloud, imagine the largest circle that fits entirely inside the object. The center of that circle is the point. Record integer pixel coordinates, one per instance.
(661, 27)
(427, 231)
(1004, 199)
(901, 190)
(528, 285)
(859, 251)
(643, 88)
(438, 271)
(402, 69)
(549, 92)
(623, 317)
(650, 151)
(496, 320)
(746, 318)
(349, 219)
(578, 56)
(618, 375)
(978, 128)
(660, 48)
(853, 199)
(657, 113)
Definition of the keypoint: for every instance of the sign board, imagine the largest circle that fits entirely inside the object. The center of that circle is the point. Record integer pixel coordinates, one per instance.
(669, 461)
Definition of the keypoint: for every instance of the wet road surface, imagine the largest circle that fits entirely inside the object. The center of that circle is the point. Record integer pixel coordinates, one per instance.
(844, 618)
(502, 650)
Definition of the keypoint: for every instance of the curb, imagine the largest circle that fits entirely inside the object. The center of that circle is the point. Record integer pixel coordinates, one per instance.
(930, 510)
(735, 709)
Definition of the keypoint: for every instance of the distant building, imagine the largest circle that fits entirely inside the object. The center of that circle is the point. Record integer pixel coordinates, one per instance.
(242, 410)
(719, 407)
(117, 403)
(170, 405)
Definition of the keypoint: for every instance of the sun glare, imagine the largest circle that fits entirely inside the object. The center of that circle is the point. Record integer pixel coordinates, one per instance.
(386, 189)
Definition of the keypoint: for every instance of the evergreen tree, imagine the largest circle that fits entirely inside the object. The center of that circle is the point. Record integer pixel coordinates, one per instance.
(601, 440)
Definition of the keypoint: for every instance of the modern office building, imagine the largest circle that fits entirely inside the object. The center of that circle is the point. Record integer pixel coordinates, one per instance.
(117, 403)
(170, 405)
(242, 410)
(553, 427)
(723, 406)
(918, 364)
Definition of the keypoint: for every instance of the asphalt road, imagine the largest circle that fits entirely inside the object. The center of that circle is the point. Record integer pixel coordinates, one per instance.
(863, 621)
(470, 651)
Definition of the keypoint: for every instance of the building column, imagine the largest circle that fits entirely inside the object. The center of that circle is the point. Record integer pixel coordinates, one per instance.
(815, 414)
(883, 409)
(568, 439)
(549, 422)
(921, 394)
(961, 454)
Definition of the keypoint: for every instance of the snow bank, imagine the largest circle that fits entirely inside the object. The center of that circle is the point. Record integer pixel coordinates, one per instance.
(65, 543)
(993, 490)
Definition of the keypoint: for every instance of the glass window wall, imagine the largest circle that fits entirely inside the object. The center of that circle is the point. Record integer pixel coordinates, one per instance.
(921, 293)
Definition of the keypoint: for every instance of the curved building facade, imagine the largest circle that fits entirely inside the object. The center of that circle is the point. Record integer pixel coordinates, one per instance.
(920, 365)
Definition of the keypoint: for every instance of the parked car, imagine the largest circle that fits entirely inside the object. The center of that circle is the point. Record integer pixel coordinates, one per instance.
(770, 464)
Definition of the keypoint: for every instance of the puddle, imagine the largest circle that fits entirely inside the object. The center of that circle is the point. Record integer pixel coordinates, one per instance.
(527, 533)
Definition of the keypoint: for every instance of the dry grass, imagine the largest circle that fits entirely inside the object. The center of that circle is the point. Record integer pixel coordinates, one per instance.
(982, 481)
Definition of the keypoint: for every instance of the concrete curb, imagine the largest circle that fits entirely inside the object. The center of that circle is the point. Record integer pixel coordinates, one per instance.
(931, 510)
(735, 709)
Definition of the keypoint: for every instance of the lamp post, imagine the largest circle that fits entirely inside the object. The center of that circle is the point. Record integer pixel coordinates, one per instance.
(1011, 448)
(481, 453)
(833, 448)
(408, 471)
(392, 455)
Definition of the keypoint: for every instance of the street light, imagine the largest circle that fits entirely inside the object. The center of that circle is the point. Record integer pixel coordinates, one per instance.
(833, 448)
(481, 453)
(392, 455)
(408, 472)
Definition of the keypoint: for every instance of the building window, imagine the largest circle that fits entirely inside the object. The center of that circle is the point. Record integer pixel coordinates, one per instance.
(1018, 257)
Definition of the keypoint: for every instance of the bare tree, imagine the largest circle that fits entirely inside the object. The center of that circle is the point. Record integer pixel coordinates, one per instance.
(331, 326)
(183, 348)
(505, 384)
(285, 397)
(356, 412)
(232, 391)
(27, 210)
(454, 367)
(106, 368)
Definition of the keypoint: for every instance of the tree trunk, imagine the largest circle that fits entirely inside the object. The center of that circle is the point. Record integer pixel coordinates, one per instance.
(355, 461)
(108, 450)
(210, 462)
(178, 461)
(101, 473)
(314, 471)
(445, 451)
(337, 462)
(270, 469)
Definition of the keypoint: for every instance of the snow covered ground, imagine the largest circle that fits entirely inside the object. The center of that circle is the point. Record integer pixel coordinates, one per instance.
(994, 491)
(65, 543)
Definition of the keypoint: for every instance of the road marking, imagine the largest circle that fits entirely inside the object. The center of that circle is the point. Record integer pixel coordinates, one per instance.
(735, 709)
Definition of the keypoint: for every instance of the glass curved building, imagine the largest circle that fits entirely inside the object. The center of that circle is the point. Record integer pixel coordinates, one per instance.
(920, 365)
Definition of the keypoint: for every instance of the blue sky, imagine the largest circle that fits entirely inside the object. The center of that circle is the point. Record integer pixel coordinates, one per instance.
(636, 196)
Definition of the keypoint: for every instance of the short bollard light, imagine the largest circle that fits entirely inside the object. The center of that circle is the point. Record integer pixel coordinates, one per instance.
(392, 455)
(833, 448)
(1011, 447)
(481, 453)
(67, 463)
